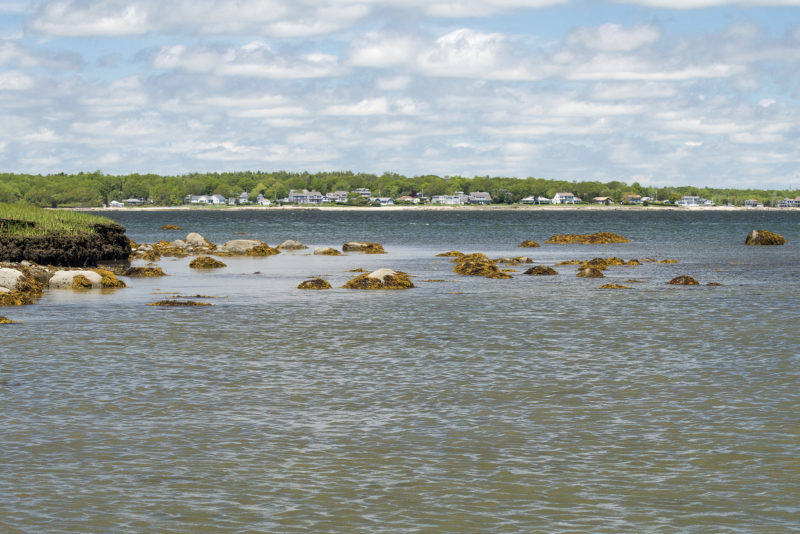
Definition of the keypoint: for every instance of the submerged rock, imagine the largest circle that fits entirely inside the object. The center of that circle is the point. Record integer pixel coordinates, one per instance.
(541, 270)
(143, 272)
(450, 254)
(314, 283)
(326, 251)
(598, 238)
(684, 281)
(291, 244)
(590, 272)
(477, 264)
(529, 244)
(381, 279)
(764, 237)
(5, 320)
(668, 261)
(366, 248)
(614, 286)
(179, 303)
(171, 227)
(517, 260)
(206, 262)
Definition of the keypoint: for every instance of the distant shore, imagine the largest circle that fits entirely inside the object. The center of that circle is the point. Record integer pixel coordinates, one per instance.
(429, 207)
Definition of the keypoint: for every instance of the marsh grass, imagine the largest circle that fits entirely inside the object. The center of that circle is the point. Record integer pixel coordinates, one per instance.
(29, 221)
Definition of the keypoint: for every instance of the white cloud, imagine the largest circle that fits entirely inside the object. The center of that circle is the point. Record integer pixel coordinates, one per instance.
(614, 37)
(15, 81)
(108, 17)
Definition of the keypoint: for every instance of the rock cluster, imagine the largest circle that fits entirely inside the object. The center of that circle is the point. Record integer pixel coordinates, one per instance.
(598, 238)
(366, 248)
(478, 264)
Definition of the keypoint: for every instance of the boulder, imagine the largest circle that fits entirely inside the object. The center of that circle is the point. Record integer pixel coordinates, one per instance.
(9, 278)
(764, 237)
(529, 244)
(193, 239)
(590, 272)
(598, 238)
(206, 262)
(366, 248)
(541, 270)
(63, 279)
(478, 264)
(326, 251)
(291, 244)
(684, 281)
(245, 247)
(314, 283)
(143, 272)
(381, 279)
(171, 227)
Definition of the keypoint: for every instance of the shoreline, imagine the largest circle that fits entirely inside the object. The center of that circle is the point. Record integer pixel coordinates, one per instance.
(561, 207)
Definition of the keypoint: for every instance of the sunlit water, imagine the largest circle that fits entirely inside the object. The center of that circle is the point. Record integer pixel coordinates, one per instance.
(464, 405)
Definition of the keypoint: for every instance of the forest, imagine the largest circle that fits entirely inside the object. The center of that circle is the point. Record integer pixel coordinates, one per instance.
(96, 189)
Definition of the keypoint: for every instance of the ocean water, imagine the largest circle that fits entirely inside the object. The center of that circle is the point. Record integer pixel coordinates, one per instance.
(535, 404)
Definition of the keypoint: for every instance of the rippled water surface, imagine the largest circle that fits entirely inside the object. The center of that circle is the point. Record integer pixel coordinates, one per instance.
(464, 405)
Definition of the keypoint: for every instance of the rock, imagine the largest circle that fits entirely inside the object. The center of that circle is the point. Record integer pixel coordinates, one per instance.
(171, 227)
(570, 262)
(326, 251)
(143, 272)
(598, 238)
(206, 262)
(764, 237)
(529, 244)
(314, 283)
(517, 260)
(714, 284)
(614, 286)
(193, 239)
(366, 248)
(81, 282)
(9, 278)
(27, 288)
(179, 303)
(541, 270)
(669, 261)
(4, 290)
(478, 264)
(5, 320)
(684, 281)
(633, 262)
(63, 279)
(245, 247)
(291, 244)
(109, 280)
(381, 279)
(590, 272)
(451, 254)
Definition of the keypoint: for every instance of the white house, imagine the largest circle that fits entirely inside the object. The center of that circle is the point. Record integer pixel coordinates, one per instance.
(337, 196)
(789, 203)
(383, 201)
(565, 198)
(116, 204)
(447, 200)
(261, 200)
(753, 203)
(363, 191)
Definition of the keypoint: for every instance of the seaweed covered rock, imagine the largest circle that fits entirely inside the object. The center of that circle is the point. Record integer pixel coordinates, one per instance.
(65, 279)
(614, 286)
(684, 281)
(764, 237)
(381, 279)
(9, 278)
(633, 262)
(326, 251)
(570, 262)
(668, 261)
(366, 248)
(314, 283)
(603, 263)
(598, 238)
(5, 320)
(477, 264)
(245, 247)
(450, 254)
(206, 262)
(590, 272)
(143, 272)
(79, 281)
(541, 270)
(109, 280)
(171, 227)
(26, 289)
(529, 244)
(517, 260)
(172, 303)
(291, 244)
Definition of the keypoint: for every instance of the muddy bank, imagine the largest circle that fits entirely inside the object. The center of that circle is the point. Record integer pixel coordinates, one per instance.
(107, 243)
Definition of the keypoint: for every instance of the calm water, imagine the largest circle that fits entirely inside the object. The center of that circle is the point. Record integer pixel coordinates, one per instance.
(536, 404)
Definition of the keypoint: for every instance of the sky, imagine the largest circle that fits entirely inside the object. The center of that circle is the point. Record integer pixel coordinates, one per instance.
(659, 92)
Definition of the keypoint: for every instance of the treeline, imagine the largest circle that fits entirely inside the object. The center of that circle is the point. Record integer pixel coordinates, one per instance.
(98, 189)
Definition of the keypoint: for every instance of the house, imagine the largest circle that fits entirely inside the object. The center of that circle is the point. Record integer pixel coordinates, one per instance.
(116, 204)
(337, 196)
(565, 198)
(448, 200)
(244, 198)
(408, 198)
(261, 200)
(606, 201)
(480, 197)
(133, 201)
(383, 201)
(789, 203)
(753, 203)
(690, 201)
(304, 196)
(631, 198)
(535, 200)
(363, 191)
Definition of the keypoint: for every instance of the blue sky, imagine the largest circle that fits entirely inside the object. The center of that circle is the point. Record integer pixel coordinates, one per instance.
(663, 92)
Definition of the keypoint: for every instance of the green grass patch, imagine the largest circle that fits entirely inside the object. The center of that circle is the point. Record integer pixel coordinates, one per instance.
(29, 221)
